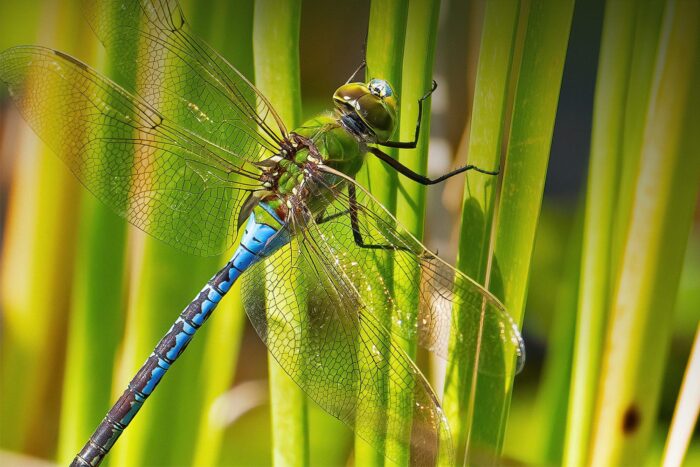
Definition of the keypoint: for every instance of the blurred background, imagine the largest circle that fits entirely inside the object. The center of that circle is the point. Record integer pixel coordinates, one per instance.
(41, 207)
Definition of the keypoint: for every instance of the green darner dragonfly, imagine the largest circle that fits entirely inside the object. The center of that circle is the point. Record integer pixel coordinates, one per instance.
(194, 152)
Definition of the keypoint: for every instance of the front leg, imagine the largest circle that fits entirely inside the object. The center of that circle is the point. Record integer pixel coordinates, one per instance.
(355, 224)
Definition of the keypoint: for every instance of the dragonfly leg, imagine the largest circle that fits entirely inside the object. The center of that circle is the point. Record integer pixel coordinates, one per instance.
(412, 144)
(363, 64)
(423, 180)
(355, 224)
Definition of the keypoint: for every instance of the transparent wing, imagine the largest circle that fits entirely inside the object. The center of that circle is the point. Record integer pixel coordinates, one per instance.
(320, 331)
(427, 298)
(161, 178)
(184, 78)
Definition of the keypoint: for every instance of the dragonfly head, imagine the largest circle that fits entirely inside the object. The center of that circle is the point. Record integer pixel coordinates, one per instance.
(375, 103)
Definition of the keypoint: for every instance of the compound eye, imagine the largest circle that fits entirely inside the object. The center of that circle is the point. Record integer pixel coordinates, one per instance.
(380, 88)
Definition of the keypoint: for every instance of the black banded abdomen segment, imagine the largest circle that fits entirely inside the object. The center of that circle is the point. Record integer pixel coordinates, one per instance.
(258, 241)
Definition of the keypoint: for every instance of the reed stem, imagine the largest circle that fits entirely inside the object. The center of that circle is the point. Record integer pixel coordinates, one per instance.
(276, 52)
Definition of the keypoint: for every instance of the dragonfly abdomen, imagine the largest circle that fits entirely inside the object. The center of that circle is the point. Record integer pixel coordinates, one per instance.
(260, 238)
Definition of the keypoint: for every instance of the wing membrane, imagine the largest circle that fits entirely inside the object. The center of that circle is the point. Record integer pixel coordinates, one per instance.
(426, 298)
(322, 334)
(161, 178)
(184, 78)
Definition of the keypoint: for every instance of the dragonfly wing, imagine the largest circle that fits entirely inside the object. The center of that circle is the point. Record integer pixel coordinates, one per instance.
(184, 78)
(161, 178)
(328, 341)
(429, 301)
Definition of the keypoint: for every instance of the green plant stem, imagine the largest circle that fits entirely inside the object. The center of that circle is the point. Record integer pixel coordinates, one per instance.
(554, 387)
(276, 51)
(662, 210)
(163, 281)
(532, 124)
(229, 29)
(385, 48)
(419, 54)
(641, 74)
(40, 241)
(603, 179)
(98, 302)
(486, 133)
(685, 415)
(95, 324)
(419, 57)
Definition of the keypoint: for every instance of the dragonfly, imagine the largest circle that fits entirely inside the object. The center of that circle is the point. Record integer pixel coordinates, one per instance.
(192, 152)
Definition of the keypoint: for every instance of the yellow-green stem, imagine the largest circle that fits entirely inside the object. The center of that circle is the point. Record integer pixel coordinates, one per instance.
(276, 52)
(229, 29)
(603, 179)
(38, 270)
(554, 387)
(488, 121)
(532, 123)
(385, 48)
(419, 53)
(665, 194)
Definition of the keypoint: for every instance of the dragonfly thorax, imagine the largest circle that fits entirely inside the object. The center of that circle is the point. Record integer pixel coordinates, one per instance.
(294, 179)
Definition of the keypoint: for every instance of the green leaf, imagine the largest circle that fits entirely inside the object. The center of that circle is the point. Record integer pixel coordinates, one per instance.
(600, 212)
(385, 47)
(488, 124)
(276, 46)
(39, 241)
(534, 108)
(665, 194)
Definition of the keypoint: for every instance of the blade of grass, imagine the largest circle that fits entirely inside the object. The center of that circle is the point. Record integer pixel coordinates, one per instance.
(532, 124)
(163, 282)
(276, 52)
(645, 44)
(36, 275)
(159, 291)
(603, 179)
(229, 29)
(384, 55)
(554, 386)
(419, 57)
(486, 133)
(665, 195)
(685, 416)
(96, 313)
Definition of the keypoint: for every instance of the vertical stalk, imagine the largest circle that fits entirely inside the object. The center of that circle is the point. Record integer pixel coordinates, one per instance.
(554, 387)
(603, 179)
(645, 44)
(96, 314)
(163, 282)
(385, 47)
(37, 271)
(532, 124)
(419, 57)
(662, 210)
(486, 133)
(229, 29)
(276, 52)
(685, 416)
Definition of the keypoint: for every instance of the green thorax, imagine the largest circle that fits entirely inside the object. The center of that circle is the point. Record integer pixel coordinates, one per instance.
(365, 113)
(330, 141)
(339, 149)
